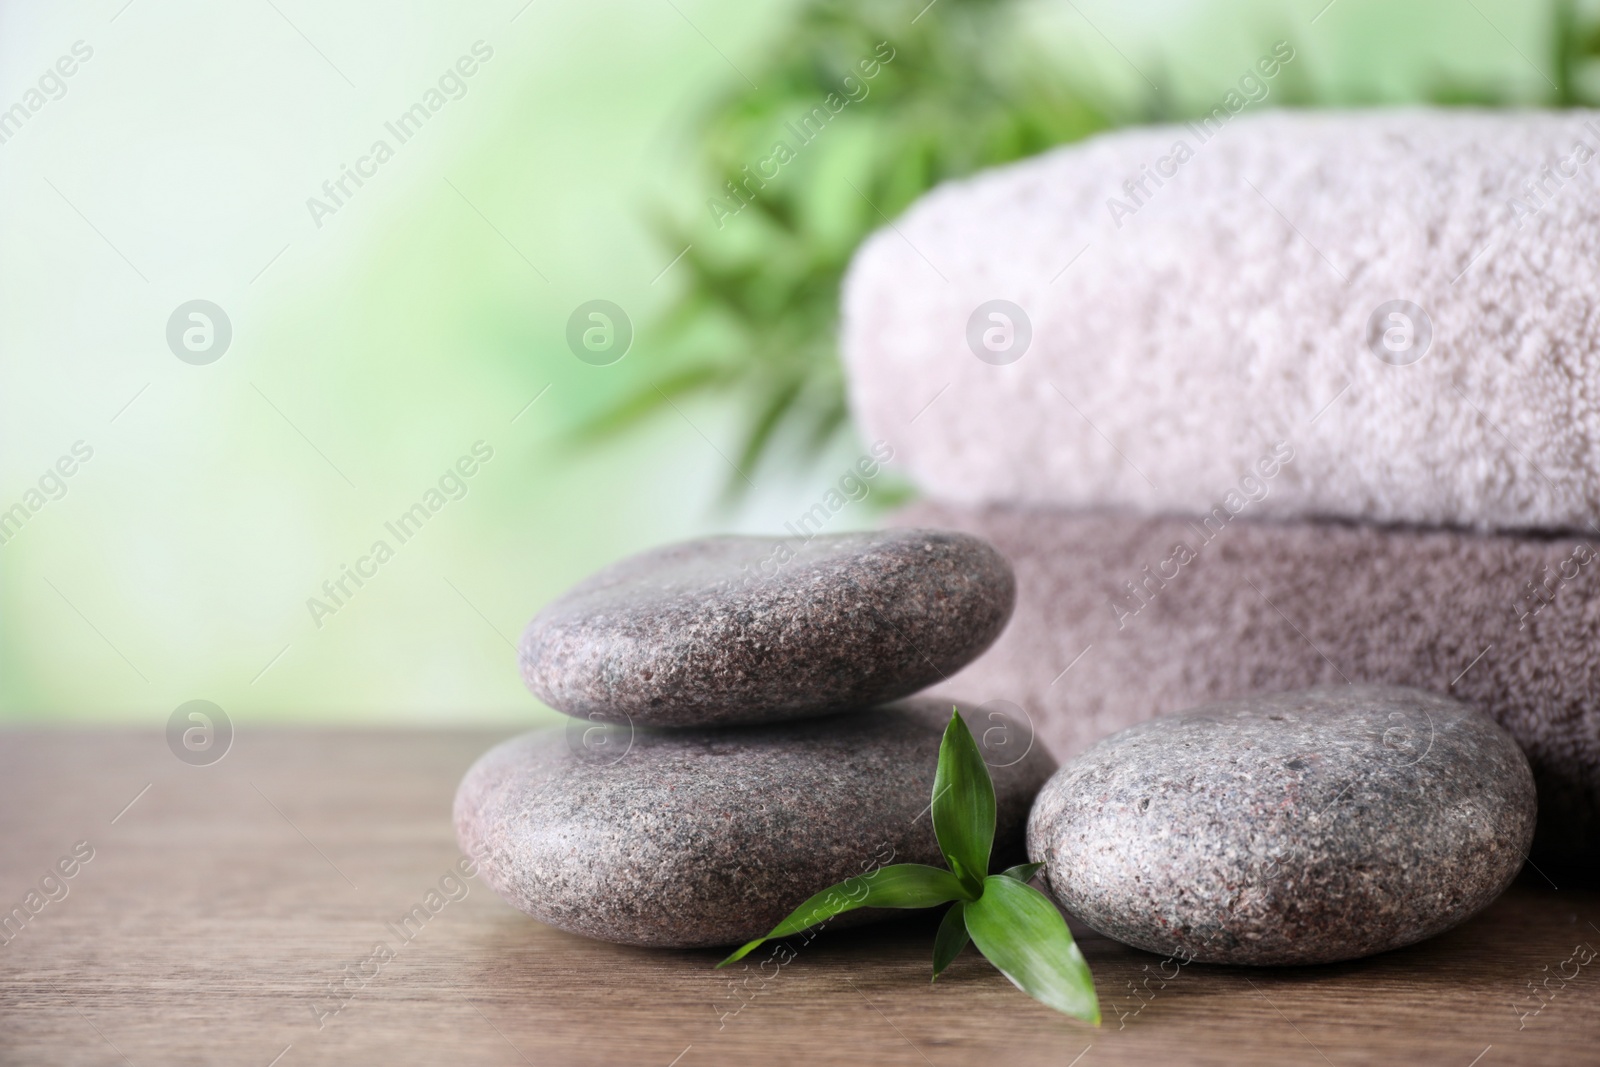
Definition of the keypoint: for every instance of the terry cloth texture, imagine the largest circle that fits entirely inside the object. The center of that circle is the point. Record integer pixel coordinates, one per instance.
(1231, 305)
(1507, 624)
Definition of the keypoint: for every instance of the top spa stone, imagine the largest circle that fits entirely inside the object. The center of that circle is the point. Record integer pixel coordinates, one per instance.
(1406, 297)
(755, 629)
(1291, 828)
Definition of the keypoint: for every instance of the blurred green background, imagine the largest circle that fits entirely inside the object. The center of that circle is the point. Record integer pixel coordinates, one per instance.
(578, 162)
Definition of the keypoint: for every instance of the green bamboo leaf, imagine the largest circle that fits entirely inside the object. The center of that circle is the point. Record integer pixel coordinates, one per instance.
(900, 885)
(779, 401)
(1022, 872)
(637, 406)
(951, 938)
(1026, 938)
(963, 805)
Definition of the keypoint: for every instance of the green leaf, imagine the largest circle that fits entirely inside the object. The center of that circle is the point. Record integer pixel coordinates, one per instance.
(1022, 872)
(951, 938)
(637, 406)
(963, 805)
(1023, 935)
(779, 400)
(900, 885)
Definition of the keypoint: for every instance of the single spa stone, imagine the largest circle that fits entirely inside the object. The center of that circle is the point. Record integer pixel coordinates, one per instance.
(756, 629)
(710, 837)
(1303, 827)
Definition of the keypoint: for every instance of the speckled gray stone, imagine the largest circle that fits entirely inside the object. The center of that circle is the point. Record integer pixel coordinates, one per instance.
(711, 836)
(1304, 827)
(758, 629)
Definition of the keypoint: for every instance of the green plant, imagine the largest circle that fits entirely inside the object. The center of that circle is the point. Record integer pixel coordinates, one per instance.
(1013, 924)
(759, 313)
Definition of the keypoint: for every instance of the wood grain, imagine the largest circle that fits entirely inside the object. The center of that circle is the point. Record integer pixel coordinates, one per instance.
(219, 908)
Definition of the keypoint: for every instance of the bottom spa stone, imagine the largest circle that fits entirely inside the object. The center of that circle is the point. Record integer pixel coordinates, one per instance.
(700, 837)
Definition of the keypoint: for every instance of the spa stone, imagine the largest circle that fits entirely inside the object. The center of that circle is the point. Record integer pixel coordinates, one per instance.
(710, 837)
(1295, 828)
(730, 630)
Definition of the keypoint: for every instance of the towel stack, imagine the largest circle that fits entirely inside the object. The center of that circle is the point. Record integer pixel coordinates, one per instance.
(1307, 398)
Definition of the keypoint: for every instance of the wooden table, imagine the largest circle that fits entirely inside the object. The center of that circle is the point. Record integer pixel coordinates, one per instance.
(224, 903)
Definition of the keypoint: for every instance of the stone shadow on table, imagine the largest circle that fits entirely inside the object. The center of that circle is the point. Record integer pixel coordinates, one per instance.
(1486, 960)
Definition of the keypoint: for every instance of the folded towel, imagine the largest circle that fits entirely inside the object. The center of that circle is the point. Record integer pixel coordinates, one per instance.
(1408, 297)
(1122, 619)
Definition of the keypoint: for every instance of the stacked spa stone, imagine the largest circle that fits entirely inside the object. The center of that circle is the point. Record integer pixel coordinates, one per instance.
(739, 738)
(1315, 406)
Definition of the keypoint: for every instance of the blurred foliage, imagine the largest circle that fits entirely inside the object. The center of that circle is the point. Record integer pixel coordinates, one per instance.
(966, 89)
(759, 313)
(1575, 42)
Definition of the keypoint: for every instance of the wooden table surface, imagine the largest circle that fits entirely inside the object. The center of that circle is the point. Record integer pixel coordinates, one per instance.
(225, 906)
